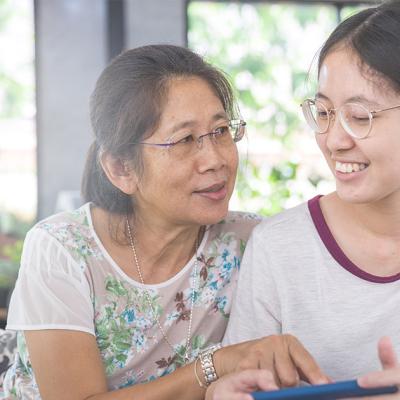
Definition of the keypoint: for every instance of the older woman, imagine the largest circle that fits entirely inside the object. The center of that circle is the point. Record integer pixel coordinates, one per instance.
(123, 297)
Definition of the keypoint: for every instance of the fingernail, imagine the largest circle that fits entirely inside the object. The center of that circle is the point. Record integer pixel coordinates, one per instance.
(323, 381)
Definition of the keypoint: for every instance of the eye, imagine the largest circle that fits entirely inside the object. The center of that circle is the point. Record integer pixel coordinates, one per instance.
(220, 131)
(322, 114)
(184, 140)
(360, 118)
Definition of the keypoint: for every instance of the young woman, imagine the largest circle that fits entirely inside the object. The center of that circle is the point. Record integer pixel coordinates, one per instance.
(328, 271)
(122, 298)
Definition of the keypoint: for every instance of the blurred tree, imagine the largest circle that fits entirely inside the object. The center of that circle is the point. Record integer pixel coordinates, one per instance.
(267, 50)
(16, 104)
(16, 92)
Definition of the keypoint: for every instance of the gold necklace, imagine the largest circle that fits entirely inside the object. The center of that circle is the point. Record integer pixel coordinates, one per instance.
(148, 300)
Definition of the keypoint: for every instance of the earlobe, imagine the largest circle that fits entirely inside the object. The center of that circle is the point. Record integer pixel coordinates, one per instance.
(120, 173)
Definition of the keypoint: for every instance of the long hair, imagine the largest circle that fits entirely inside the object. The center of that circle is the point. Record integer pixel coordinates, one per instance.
(374, 35)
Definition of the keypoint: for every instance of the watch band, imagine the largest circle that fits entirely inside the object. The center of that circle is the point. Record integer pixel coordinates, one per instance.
(207, 364)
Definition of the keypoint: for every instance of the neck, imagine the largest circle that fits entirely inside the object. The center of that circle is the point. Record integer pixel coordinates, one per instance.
(163, 249)
(380, 218)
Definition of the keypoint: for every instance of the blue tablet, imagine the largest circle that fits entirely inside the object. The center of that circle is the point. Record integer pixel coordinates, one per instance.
(330, 391)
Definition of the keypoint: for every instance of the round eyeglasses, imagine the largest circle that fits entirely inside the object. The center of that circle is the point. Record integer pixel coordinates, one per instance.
(355, 118)
(185, 146)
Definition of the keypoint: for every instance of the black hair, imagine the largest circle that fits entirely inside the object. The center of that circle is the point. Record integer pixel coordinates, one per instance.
(374, 35)
(126, 106)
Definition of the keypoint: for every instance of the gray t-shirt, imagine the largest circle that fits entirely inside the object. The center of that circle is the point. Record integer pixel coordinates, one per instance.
(295, 279)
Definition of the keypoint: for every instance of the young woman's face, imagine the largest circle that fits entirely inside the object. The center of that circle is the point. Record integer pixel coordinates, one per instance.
(366, 170)
(194, 188)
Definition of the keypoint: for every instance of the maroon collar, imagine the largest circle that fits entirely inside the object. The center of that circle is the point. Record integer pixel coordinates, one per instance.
(332, 246)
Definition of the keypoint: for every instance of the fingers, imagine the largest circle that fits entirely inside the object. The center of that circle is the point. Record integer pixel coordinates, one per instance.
(258, 379)
(383, 397)
(286, 357)
(250, 361)
(238, 386)
(283, 365)
(380, 378)
(259, 356)
(386, 352)
(306, 365)
(391, 369)
(236, 396)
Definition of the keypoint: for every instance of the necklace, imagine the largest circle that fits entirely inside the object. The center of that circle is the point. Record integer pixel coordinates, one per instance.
(148, 300)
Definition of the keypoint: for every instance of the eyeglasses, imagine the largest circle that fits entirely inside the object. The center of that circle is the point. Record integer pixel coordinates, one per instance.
(224, 136)
(355, 118)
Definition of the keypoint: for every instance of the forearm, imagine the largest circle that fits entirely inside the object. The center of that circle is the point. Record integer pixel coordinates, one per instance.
(179, 385)
(71, 367)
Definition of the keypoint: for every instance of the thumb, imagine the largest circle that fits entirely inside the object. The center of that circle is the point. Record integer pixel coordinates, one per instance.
(386, 353)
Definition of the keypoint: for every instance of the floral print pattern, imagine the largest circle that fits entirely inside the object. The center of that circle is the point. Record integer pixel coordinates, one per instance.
(132, 348)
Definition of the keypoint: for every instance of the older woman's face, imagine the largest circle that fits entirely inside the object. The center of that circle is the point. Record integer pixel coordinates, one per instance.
(194, 188)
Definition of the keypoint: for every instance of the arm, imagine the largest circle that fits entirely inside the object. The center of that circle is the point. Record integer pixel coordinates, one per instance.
(69, 366)
(52, 291)
(238, 386)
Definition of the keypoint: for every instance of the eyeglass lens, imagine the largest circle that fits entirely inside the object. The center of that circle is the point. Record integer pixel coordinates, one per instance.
(222, 138)
(355, 118)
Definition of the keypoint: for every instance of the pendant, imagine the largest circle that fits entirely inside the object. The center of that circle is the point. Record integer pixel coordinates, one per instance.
(186, 358)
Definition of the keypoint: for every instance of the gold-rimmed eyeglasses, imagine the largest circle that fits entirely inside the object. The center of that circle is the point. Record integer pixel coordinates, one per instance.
(355, 118)
(186, 145)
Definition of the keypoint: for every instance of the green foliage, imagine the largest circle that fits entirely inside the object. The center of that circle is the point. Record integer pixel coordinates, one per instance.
(10, 254)
(13, 252)
(266, 49)
(9, 266)
(16, 95)
(12, 225)
(350, 10)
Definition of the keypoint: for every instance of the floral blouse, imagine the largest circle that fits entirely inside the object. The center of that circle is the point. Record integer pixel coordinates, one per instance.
(67, 280)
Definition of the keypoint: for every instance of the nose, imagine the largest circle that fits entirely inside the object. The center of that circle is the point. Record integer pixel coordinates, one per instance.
(336, 137)
(209, 154)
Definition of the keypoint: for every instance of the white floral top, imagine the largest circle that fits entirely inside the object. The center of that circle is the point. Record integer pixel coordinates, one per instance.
(68, 280)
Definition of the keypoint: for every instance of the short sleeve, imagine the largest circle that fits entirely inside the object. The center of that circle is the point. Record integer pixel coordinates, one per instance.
(52, 291)
(255, 311)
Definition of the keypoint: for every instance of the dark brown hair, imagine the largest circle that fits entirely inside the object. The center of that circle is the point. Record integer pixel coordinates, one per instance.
(126, 107)
(374, 35)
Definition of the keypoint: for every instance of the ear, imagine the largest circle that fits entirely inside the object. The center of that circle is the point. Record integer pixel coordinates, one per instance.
(120, 173)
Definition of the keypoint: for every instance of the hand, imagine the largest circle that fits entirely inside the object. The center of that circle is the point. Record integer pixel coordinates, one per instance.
(283, 355)
(390, 375)
(239, 385)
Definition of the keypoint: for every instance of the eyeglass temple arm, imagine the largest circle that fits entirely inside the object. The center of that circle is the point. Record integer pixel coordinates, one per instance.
(153, 144)
(385, 109)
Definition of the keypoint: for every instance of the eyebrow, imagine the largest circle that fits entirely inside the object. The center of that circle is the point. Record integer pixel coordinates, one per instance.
(190, 123)
(353, 99)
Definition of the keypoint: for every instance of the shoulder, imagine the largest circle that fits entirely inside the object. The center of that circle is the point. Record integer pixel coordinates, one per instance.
(66, 224)
(69, 233)
(237, 223)
(293, 222)
(232, 233)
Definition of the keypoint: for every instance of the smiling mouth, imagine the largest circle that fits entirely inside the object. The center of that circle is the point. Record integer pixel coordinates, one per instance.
(347, 168)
